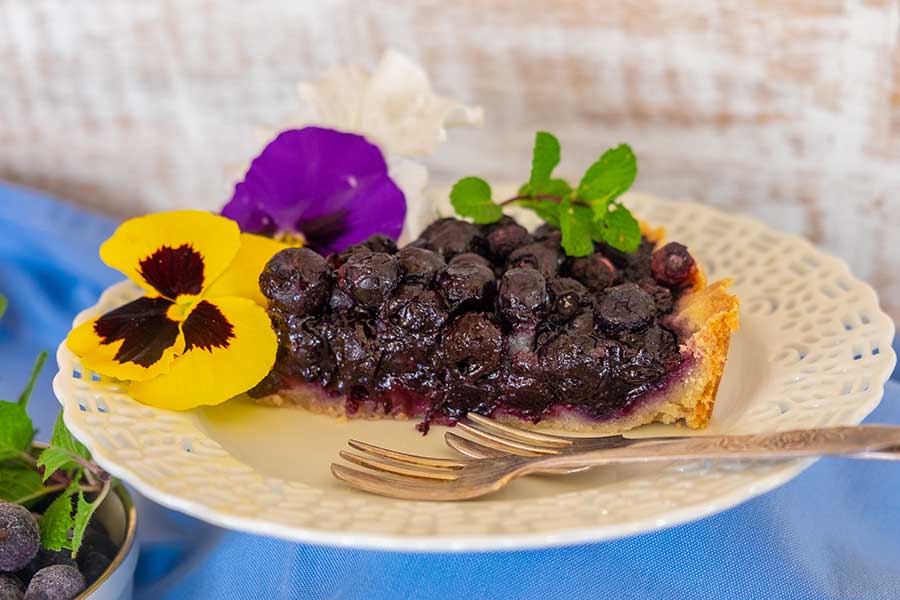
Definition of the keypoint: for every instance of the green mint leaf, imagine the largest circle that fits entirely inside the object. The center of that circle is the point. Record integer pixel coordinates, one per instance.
(555, 187)
(609, 177)
(57, 522)
(471, 197)
(35, 371)
(53, 459)
(62, 438)
(620, 230)
(575, 222)
(84, 511)
(16, 430)
(544, 159)
(19, 484)
(3, 303)
(547, 210)
(64, 452)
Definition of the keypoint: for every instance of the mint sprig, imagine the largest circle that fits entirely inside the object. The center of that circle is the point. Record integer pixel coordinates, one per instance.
(64, 469)
(591, 212)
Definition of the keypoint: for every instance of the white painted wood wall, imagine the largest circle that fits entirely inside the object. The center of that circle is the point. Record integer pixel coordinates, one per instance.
(787, 110)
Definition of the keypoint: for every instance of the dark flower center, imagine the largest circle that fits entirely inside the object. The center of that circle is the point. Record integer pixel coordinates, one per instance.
(322, 231)
(144, 327)
(207, 328)
(174, 271)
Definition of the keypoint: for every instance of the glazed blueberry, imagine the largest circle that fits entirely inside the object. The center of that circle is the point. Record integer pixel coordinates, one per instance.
(505, 236)
(568, 298)
(296, 280)
(19, 537)
(625, 307)
(672, 265)
(465, 284)
(355, 356)
(473, 343)
(381, 243)
(573, 365)
(662, 296)
(415, 308)
(56, 582)
(548, 234)
(11, 588)
(305, 353)
(463, 397)
(336, 260)
(470, 257)
(596, 272)
(450, 237)
(523, 295)
(419, 264)
(538, 256)
(369, 278)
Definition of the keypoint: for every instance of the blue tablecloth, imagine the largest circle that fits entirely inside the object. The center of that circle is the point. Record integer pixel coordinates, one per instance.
(834, 532)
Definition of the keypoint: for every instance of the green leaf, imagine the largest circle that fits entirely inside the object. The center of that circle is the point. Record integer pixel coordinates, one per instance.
(57, 521)
(35, 371)
(53, 459)
(555, 187)
(18, 483)
(62, 438)
(471, 197)
(16, 430)
(3, 303)
(64, 452)
(84, 511)
(576, 223)
(620, 230)
(545, 209)
(544, 159)
(609, 177)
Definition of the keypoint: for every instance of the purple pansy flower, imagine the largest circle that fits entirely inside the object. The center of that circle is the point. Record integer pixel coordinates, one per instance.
(331, 188)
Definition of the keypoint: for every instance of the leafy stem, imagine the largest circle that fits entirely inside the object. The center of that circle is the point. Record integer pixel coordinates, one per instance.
(587, 213)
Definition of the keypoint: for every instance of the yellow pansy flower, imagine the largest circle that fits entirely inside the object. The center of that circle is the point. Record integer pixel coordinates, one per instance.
(200, 335)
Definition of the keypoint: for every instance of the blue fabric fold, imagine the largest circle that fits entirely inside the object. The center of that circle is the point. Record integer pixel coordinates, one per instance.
(833, 532)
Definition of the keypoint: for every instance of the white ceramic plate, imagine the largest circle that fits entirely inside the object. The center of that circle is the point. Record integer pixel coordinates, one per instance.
(814, 349)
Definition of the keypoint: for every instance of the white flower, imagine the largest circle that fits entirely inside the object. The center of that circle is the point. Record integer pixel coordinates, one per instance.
(393, 106)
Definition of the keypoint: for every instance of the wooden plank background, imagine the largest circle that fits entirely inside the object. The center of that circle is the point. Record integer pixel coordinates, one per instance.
(787, 110)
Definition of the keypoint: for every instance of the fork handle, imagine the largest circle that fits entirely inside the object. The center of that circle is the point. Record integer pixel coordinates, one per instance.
(864, 441)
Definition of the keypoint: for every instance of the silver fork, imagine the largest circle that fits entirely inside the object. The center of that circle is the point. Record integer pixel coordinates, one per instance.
(411, 477)
(497, 439)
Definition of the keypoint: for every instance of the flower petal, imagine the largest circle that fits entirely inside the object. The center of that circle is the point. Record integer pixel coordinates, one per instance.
(137, 341)
(229, 347)
(241, 278)
(315, 181)
(174, 254)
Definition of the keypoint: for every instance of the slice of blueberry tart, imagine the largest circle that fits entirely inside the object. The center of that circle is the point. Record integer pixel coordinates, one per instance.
(501, 321)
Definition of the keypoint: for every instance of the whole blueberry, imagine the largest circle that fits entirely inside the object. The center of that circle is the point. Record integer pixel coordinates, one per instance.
(92, 565)
(369, 278)
(56, 582)
(296, 280)
(11, 588)
(574, 365)
(568, 298)
(473, 343)
(19, 537)
(548, 234)
(545, 259)
(504, 236)
(305, 353)
(672, 265)
(419, 264)
(415, 308)
(595, 271)
(465, 284)
(470, 257)
(522, 297)
(450, 237)
(661, 295)
(355, 356)
(625, 307)
(381, 243)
